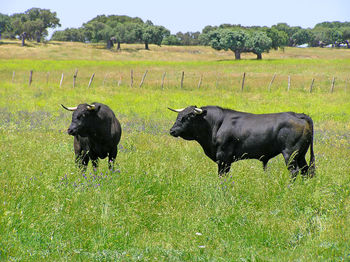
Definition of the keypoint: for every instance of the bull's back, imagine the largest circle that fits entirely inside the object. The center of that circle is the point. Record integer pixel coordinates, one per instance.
(266, 135)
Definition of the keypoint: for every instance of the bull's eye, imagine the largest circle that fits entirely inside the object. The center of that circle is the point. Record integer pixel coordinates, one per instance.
(80, 116)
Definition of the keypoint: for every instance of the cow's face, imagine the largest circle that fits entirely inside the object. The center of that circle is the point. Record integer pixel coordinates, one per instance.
(83, 120)
(187, 122)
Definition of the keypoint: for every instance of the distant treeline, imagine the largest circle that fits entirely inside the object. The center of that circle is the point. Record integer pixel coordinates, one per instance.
(114, 30)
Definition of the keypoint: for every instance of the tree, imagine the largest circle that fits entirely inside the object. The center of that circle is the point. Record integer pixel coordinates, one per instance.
(336, 37)
(152, 34)
(302, 36)
(346, 35)
(188, 38)
(171, 40)
(279, 38)
(94, 31)
(69, 34)
(34, 22)
(228, 39)
(5, 24)
(290, 31)
(259, 43)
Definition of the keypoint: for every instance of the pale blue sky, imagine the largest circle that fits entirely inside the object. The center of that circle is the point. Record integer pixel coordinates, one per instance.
(187, 15)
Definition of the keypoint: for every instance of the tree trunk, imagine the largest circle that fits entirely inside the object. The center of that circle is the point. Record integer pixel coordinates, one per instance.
(237, 55)
(258, 56)
(109, 44)
(146, 46)
(38, 37)
(24, 34)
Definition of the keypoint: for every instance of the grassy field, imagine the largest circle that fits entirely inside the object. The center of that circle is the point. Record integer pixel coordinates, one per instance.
(165, 201)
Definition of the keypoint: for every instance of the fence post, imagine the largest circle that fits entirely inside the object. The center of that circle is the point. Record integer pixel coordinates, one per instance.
(30, 77)
(61, 80)
(216, 81)
(182, 79)
(200, 82)
(143, 78)
(288, 88)
(131, 78)
(75, 77)
(13, 76)
(120, 81)
(333, 83)
(92, 78)
(312, 83)
(273, 78)
(163, 80)
(47, 78)
(243, 78)
(104, 80)
(346, 84)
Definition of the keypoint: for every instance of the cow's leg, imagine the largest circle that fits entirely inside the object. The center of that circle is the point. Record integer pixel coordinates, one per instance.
(291, 163)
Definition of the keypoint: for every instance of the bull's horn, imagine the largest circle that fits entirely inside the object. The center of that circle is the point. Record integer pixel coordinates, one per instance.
(176, 110)
(91, 107)
(69, 108)
(198, 111)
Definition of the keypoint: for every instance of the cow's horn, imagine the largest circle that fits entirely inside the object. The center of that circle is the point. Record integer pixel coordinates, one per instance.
(176, 110)
(69, 108)
(198, 111)
(91, 107)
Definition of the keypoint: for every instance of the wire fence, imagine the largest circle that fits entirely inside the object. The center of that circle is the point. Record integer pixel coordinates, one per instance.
(186, 80)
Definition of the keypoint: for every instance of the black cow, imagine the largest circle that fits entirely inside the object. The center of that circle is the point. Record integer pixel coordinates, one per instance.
(227, 136)
(96, 133)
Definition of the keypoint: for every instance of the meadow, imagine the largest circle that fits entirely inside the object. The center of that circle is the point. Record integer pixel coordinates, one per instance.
(164, 201)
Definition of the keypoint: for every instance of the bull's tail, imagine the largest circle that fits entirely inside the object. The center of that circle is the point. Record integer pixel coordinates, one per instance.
(312, 166)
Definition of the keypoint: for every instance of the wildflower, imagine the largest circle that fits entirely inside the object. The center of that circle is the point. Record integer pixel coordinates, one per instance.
(198, 234)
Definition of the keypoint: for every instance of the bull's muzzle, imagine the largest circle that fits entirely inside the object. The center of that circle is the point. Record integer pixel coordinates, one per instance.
(72, 131)
(173, 132)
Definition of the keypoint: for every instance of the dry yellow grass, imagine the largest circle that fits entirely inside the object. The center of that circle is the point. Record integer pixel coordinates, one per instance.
(11, 49)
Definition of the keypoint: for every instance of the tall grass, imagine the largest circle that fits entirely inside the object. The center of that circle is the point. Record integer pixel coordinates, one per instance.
(164, 201)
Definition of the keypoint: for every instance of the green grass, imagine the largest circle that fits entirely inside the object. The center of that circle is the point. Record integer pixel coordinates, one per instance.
(166, 201)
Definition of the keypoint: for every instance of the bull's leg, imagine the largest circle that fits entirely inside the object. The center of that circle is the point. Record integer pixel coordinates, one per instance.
(304, 168)
(291, 163)
(224, 158)
(82, 160)
(111, 158)
(94, 163)
(265, 164)
(223, 168)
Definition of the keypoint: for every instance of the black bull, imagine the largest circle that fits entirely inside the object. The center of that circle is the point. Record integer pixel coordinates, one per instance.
(227, 136)
(96, 133)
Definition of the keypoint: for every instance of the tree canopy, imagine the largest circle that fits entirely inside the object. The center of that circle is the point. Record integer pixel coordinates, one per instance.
(34, 23)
